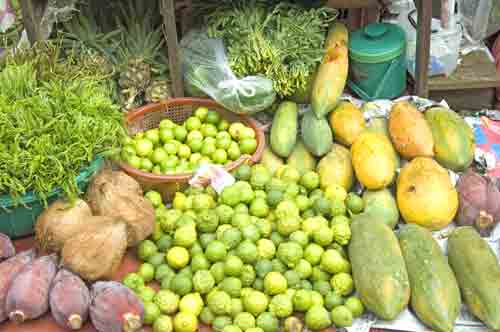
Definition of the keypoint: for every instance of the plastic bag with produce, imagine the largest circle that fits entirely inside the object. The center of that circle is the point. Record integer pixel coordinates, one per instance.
(207, 72)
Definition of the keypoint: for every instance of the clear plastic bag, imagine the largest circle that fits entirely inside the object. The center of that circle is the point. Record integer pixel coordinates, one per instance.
(474, 17)
(206, 70)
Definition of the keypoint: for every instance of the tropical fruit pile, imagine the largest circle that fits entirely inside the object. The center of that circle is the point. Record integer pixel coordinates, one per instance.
(204, 138)
(269, 247)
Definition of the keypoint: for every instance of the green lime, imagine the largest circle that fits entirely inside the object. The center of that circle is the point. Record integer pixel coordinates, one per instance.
(258, 284)
(248, 145)
(287, 225)
(255, 303)
(233, 266)
(167, 301)
(196, 249)
(310, 180)
(267, 322)
(219, 302)
(235, 129)
(219, 156)
(231, 328)
(332, 300)
(342, 283)
(144, 147)
(177, 257)
(162, 271)
(281, 306)
(231, 237)
(181, 284)
(323, 236)
(167, 123)
(300, 237)
(306, 284)
(165, 282)
(342, 316)
(192, 123)
(216, 251)
(207, 221)
(192, 303)
(185, 322)
(217, 271)
(203, 281)
(154, 197)
(232, 286)
(322, 206)
(134, 161)
(278, 265)
(304, 269)
(233, 152)
(309, 213)
(263, 267)
(207, 316)
(312, 253)
(146, 165)
(201, 113)
(196, 145)
(250, 232)
(133, 281)
(165, 242)
(318, 274)
(157, 259)
(265, 249)
(236, 306)
(292, 279)
(317, 318)
(290, 253)
(246, 133)
(275, 283)
(147, 272)
(199, 262)
(209, 130)
(247, 251)
(241, 208)
(146, 249)
(247, 275)
(259, 208)
(220, 322)
(333, 262)
(151, 312)
(355, 306)
(127, 152)
(303, 202)
(302, 300)
(354, 203)
(206, 239)
(170, 147)
(244, 321)
(213, 117)
(223, 125)
(146, 293)
(163, 324)
(184, 152)
(180, 133)
(322, 286)
(208, 149)
(338, 208)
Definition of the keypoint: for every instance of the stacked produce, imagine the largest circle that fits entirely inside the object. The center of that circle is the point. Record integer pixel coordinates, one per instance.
(269, 247)
(204, 138)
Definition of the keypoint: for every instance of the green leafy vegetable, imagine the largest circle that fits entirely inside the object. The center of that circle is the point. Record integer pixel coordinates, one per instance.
(283, 42)
(51, 129)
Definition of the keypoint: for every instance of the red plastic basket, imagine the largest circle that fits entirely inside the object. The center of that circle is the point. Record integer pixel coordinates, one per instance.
(178, 110)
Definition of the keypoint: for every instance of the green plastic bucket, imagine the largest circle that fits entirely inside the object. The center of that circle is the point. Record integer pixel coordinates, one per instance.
(377, 61)
(19, 220)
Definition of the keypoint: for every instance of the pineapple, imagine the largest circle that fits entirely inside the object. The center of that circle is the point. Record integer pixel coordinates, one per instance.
(159, 89)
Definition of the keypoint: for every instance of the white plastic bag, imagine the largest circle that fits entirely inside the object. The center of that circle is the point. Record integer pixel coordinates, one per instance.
(206, 70)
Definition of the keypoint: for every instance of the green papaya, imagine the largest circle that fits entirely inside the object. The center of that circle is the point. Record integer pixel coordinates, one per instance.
(336, 168)
(378, 268)
(380, 125)
(435, 296)
(316, 134)
(301, 159)
(284, 129)
(453, 138)
(478, 274)
(271, 161)
(381, 205)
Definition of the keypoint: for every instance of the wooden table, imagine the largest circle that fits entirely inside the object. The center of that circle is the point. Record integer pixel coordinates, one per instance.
(47, 324)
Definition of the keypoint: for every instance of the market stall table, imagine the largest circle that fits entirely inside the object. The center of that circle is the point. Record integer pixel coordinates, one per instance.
(47, 323)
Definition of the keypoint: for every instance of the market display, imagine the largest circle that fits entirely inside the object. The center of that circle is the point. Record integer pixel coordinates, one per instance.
(346, 212)
(204, 138)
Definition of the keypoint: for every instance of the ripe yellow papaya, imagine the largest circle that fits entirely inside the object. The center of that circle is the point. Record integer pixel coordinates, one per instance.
(347, 123)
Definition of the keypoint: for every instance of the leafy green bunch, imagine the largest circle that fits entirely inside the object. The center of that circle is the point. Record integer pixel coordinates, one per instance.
(50, 130)
(283, 42)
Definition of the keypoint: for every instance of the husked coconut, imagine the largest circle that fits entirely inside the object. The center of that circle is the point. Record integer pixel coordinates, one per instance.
(115, 194)
(96, 253)
(59, 222)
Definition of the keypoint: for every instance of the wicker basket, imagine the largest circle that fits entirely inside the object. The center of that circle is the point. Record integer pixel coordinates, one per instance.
(178, 110)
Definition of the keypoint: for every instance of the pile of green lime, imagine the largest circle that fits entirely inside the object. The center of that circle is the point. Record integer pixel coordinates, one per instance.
(204, 138)
(268, 247)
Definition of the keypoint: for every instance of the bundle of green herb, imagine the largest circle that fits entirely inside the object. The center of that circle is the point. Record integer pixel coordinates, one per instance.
(51, 129)
(283, 43)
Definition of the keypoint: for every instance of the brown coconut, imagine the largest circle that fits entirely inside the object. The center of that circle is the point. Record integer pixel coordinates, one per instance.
(479, 202)
(96, 253)
(115, 194)
(60, 222)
